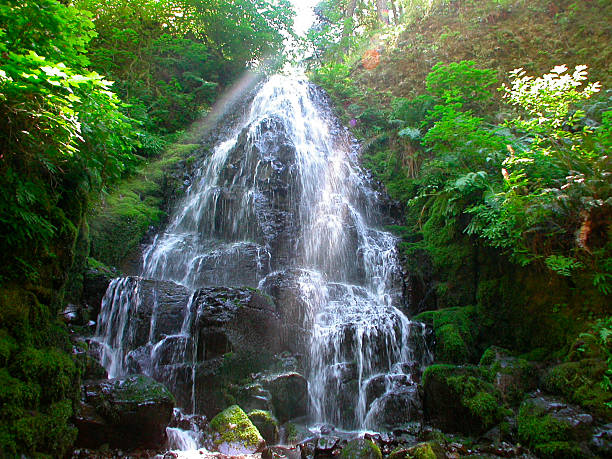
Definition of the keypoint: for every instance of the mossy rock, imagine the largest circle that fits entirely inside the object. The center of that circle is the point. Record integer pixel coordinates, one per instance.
(512, 376)
(580, 383)
(128, 413)
(552, 428)
(234, 433)
(420, 451)
(361, 448)
(455, 332)
(267, 425)
(461, 399)
(121, 220)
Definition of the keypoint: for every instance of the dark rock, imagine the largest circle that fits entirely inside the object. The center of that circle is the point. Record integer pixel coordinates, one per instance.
(124, 413)
(281, 452)
(289, 393)
(326, 444)
(267, 425)
(95, 283)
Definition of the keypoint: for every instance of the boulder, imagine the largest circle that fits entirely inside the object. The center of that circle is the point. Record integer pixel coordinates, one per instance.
(289, 392)
(124, 413)
(233, 433)
(267, 425)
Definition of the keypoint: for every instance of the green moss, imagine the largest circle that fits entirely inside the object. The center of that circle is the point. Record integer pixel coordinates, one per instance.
(291, 431)
(233, 426)
(421, 451)
(580, 383)
(139, 388)
(361, 449)
(124, 216)
(479, 397)
(455, 332)
(559, 450)
(540, 430)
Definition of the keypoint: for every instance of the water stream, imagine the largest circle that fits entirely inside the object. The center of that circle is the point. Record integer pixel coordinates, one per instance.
(283, 193)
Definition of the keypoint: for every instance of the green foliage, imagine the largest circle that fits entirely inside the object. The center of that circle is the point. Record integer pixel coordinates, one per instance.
(558, 185)
(61, 128)
(171, 57)
(39, 381)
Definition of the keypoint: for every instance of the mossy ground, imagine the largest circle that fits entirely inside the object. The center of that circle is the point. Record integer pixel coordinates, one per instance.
(547, 436)
(39, 380)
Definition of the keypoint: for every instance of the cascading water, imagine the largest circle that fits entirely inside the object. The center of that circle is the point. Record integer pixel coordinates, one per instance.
(282, 196)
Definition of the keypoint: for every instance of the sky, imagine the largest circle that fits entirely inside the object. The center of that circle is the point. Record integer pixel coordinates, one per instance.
(305, 15)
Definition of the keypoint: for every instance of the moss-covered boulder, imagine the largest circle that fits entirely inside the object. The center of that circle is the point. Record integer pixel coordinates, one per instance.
(234, 433)
(554, 429)
(455, 333)
(461, 399)
(580, 383)
(512, 376)
(267, 425)
(420, 451)
(126, 413)
(361, 448)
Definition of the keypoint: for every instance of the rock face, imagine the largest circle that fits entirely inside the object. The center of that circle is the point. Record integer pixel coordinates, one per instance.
(195, 343)
(234, 434)
(124, 413)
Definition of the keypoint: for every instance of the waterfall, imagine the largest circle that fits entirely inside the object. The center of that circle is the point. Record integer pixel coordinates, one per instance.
(281, 197)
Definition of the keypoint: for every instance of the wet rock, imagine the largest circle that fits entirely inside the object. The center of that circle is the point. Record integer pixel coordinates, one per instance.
(361, 448)
(254, 397)
(281, 452)
(326, 444)
(95, 283)
(289, 393)
(267, 425)
(126, 413)
(601, 441)
(234, 434)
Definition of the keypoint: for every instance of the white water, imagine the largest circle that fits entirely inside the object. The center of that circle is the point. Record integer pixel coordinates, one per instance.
(283, 191)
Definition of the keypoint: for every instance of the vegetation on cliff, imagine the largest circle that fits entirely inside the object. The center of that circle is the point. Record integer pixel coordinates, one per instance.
(503, 177)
